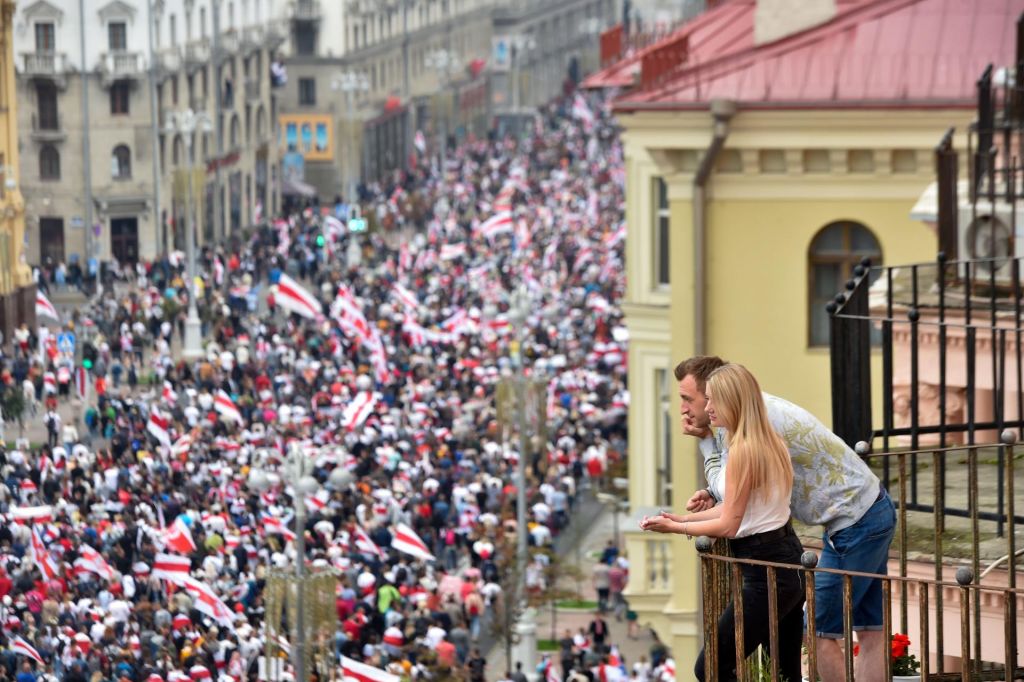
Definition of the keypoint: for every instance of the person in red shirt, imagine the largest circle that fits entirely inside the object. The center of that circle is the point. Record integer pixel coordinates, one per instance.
(446, 653)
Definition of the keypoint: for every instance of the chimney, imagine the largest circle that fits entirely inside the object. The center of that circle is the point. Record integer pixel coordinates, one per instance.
(777, 19)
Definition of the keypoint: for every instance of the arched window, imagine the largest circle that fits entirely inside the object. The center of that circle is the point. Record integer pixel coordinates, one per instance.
(835, 251)
(121, 163)
(49, 163)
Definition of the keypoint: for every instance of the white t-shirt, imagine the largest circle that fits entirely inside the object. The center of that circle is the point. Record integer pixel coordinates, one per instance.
(764, 512)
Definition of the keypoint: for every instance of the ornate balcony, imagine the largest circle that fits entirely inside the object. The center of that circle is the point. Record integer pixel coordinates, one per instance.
(169, 61)
(228, 45)
(120, 65)
(306, 10)
(197, 55)
(53, 65)
(252, 38)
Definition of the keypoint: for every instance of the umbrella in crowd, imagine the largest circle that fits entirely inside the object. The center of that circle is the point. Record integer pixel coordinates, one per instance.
(133, 545)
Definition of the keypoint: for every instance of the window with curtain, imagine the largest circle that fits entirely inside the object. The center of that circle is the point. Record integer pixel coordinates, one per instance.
(121, 163)
(834, 253)
(662, 269)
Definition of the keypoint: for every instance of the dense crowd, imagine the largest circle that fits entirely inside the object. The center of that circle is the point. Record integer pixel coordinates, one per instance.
(135, 543)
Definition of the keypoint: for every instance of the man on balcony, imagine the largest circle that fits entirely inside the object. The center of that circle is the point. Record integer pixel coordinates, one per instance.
(833, 488)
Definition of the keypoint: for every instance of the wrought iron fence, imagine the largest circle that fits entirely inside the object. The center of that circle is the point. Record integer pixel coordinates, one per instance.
(968, 596)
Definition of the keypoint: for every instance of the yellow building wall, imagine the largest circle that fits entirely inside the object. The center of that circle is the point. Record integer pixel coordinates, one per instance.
(13, 273)
(758, 285)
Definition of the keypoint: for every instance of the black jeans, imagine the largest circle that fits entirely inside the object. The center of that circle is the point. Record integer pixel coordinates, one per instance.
(789, 588)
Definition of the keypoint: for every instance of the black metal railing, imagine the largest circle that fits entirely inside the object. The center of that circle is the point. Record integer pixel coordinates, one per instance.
(997, 601)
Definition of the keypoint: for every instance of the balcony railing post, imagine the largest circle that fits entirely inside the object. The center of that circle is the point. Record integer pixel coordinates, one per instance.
(965, 576)
(709, 601)
(809, 560)
(850, 350)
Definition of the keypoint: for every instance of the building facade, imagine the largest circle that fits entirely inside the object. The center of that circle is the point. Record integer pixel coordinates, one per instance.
(17, 292)
(753, 190)
(100, 159)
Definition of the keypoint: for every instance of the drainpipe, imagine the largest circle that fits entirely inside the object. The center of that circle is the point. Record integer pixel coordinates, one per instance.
(722, 111)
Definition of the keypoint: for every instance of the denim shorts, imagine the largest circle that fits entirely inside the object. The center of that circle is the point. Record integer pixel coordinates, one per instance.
(863, 547)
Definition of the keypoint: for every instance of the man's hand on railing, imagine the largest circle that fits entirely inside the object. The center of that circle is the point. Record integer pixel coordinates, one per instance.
(700, 501)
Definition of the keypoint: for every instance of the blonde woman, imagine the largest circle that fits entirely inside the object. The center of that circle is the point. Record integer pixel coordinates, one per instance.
(755, 518)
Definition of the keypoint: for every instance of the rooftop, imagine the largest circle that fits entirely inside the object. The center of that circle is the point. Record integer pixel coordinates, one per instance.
(872, 54)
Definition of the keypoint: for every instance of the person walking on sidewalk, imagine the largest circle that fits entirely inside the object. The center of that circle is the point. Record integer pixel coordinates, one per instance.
(832, 487)
(755, 518)
(602, 584)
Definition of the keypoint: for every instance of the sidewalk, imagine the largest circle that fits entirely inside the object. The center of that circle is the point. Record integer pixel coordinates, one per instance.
(595, 537)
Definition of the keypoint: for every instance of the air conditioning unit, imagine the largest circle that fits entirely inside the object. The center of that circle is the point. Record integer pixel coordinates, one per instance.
(992, 235)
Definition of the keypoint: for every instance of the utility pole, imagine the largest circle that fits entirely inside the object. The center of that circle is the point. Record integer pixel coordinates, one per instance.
(409, 109)
(86, 155)
(160, 234)
(218, 208)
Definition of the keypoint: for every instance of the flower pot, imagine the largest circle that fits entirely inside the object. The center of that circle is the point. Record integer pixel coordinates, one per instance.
(906, 678)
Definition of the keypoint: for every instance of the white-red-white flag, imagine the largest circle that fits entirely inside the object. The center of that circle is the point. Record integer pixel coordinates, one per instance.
(42, 557)
(359, 409)
(453, 251)
(226, 407)
(293, 297)
(275, 526)
(404, 539)
(181, 446)
(92, 561)
(178, 538)
(159, 426)
(206, 601)
(499, 223)
(171, 567)
(365, 545)
(20, 646)
(40, 514)
(362, 672)
(169, 396)
(44, 308)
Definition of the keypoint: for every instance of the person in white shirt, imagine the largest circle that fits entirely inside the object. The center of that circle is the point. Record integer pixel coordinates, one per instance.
(755, 518)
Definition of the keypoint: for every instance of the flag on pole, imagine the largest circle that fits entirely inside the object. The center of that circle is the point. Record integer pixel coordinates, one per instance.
(44, 308)
(92, 561)
(42, 557)
(169, 396)
(365, 545)
(293, 297)
(404, 539)
(499, 223)
(275, 526)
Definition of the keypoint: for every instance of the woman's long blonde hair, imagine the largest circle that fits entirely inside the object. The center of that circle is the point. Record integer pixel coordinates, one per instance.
(758, 456)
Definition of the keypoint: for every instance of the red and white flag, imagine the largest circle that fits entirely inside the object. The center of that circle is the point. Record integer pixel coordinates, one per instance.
(226, 407)
(171, 567)
(420, 141)
(405, 297)
(404, 539)
(169, 396)
(317, 502)
(294, 298)
(92, 561)
(20, 646)
(40, 514)
(453, 251)
(365, 545)
(178, 538)
(181, 446)
(499, 223)
(44, 308)
(197, 673)
(275, 526)
(206, 601)
(362, 672)
(359, 409)
(158, 426)
(42, 557)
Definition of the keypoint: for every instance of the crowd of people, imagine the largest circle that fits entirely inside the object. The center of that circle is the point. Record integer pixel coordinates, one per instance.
(138, 539)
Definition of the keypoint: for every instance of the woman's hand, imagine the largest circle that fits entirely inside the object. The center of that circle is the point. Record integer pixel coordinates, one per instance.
(659, 524)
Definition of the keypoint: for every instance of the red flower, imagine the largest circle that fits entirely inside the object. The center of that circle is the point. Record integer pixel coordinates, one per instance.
(856, 649)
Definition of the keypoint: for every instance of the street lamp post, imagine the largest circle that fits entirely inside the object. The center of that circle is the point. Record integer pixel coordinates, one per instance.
(186, 123)
(351, 83)
(520, 43)
(297, 474)
(442, 61)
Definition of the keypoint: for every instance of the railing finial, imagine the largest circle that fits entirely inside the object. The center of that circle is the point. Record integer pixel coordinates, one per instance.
(704, 544)
(964, 575)
(913, 315)
(1008, 437)
(862, 448)
(809, 559)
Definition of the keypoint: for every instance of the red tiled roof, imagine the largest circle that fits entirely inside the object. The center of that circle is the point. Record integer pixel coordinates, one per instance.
(873, 54)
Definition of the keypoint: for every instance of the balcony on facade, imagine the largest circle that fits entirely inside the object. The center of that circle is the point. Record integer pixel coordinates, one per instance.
(52, 65)
(306, 10)
(228, 45)
(252, 89)
(273, 36)
(120, 65)
(48, 128)
(197, 55)
(168, 61)
(252, 39)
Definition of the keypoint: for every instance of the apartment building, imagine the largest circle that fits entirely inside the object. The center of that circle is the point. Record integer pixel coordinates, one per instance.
(104, 170)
